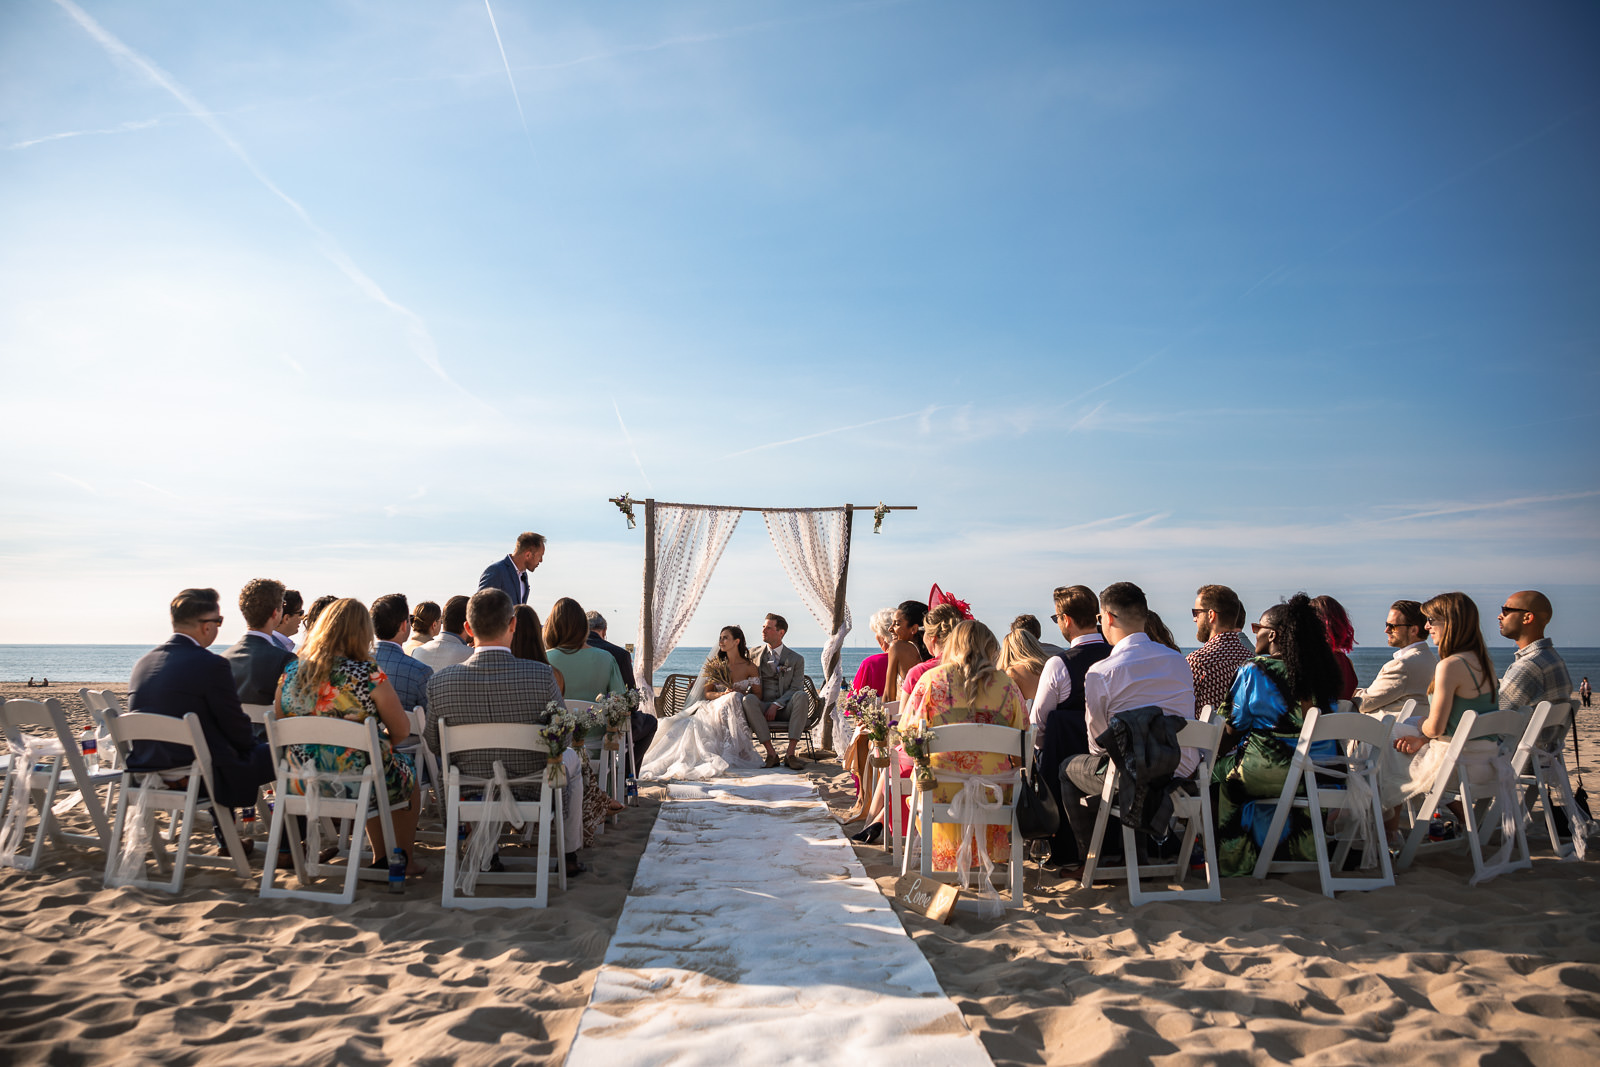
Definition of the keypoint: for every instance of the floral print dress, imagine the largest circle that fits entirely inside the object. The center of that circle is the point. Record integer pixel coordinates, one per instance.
(347, 694)
(936, 702)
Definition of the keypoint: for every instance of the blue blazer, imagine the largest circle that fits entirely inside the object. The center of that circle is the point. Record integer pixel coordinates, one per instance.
(502, 575)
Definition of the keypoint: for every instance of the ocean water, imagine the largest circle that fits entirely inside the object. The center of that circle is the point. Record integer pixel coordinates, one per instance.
(114, 663)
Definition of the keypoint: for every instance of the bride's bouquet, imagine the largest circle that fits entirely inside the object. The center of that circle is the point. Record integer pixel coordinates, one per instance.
(560, 731)
(864, 707)
(914, 740)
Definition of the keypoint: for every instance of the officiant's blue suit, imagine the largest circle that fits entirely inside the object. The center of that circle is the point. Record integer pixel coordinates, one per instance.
(502, 575)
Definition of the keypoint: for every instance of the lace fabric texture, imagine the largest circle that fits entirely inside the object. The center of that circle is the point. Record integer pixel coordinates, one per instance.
(705, 741)
(812, 545)
(689, 544)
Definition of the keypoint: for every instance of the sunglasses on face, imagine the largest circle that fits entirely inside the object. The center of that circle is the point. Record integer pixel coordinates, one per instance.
(1507, 609)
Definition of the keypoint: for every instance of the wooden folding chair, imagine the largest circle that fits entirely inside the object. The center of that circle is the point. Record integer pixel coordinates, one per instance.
(1195, 811)
(175, 791)
(1540, 765)
(48, 764)
(539, 815)
(1361, 741)
(371, 801)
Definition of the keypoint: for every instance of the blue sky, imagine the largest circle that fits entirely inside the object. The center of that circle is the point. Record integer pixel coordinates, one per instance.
(1282, 296)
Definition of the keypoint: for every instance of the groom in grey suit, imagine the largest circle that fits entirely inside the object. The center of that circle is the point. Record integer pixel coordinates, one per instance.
(783, 696)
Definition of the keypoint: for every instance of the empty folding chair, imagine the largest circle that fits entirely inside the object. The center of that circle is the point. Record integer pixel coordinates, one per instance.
(1540, 765)
(46, 763)
(1194, 810)
(1476, 768)
(176, 791)
(303, 790)
(494, 803)
(1360, 741)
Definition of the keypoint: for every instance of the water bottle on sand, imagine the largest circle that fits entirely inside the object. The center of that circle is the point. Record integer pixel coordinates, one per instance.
(91, 750)
(397, 871)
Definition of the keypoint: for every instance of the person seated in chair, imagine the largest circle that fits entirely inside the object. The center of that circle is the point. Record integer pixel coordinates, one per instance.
(783, 675)
(257, 661)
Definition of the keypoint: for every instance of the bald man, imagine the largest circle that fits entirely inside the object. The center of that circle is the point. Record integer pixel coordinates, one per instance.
(1537, 672)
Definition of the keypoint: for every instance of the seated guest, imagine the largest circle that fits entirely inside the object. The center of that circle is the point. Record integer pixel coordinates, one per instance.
(527, 641)
(907, 649)
(1160, 632)
(1408, 673)
(426, 620)
(180, 677)
(451, 645)
(314, 612)
(1218, 618)
(965, 687)
(1030, 623)
(1341, 638)
(873, 672)
(1060, 729)
(1137, 673)
(294, 613)
(391, 622)
(1537, 671)
(1022, 659)
(1463, 681)
(336, 676)
(1294, 669)
(643, 723)
(257, 660)
(589, 672)
(493, 685)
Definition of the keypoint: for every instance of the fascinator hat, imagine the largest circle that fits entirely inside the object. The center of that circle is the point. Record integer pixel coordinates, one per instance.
(937, 596)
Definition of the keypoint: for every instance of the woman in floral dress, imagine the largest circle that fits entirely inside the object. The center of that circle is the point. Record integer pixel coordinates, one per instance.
(966, 688)
(335, 675)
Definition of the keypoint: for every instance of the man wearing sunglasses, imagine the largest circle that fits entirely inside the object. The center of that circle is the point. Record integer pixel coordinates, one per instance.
(1537, 672)
(1408, 673)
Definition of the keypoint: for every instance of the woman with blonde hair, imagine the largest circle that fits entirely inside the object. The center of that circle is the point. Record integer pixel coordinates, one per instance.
(967, 687)
(1023, 659)
(335, 675)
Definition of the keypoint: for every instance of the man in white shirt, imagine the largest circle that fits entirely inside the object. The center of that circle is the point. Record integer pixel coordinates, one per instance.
(452, 645)
(1409, 671)
(1138, 673)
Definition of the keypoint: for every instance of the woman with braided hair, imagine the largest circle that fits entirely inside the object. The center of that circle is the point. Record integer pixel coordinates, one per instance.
(1294, 669)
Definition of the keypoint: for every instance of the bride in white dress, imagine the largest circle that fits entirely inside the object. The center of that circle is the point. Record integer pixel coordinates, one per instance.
(711, 736)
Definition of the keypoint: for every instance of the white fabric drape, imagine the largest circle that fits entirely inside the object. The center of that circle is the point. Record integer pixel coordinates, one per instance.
(689, 542)
(812, 545)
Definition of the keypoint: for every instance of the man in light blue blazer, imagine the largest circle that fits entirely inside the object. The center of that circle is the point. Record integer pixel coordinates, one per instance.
(510, 575)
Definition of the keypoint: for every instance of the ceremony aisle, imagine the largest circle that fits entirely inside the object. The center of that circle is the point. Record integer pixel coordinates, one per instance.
(753, 935)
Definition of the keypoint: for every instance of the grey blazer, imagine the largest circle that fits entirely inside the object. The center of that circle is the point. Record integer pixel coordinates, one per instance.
(780, 679)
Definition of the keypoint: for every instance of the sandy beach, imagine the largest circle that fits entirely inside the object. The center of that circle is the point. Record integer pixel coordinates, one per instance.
(1431, 971)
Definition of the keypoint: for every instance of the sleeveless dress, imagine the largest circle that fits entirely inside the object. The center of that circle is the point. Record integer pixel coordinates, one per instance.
(1424, 766)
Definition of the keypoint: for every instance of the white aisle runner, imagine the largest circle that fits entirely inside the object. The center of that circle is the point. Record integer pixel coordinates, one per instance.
(753, 936)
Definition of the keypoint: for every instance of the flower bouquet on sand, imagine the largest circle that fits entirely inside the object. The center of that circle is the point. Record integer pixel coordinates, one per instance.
(865, 708)
(560, 731)
(914, 740)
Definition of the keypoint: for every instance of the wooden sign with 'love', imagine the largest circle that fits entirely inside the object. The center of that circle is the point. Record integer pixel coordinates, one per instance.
(932, 898)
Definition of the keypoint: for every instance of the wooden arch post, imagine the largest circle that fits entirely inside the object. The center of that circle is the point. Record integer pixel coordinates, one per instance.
(647, 618)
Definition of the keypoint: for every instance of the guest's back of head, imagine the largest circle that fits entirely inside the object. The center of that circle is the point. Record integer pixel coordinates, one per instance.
(528, 640)
(489, 613)
(1127, 602)
(314, 612)
(1078, 603)
(455, 615)
(344, 632)
(259, 600)
(566, 627)
(938, 623)
(1336, 622)
(191, 605)
(1159, 632)
(882, 624)
(389, 613)
(423, 618)
(1299, 638)
(595, 621)
(1028, 624)
(971, 653)
(1019, 648)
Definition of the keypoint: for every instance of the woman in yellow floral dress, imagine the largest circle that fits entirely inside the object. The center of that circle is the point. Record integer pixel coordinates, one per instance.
(336, 676)
(966, 688)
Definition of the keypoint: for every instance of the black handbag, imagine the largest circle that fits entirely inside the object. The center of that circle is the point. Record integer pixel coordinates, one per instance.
(1038, 816)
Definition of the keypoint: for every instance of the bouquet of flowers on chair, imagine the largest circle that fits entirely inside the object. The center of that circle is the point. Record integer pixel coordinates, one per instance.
(615, 712)
(915, 742)
(559, 732)
(864, 708)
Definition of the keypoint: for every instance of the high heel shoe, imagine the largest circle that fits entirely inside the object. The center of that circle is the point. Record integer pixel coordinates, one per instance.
(871, 835)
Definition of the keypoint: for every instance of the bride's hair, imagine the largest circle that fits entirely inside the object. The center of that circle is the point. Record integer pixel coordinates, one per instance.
(738, 635)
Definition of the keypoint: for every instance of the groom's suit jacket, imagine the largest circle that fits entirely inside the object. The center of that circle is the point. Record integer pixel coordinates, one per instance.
(782, 677)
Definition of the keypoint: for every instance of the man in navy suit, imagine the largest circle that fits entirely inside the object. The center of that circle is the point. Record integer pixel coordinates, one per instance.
(180, 677)
(510, 575)
(256, 659)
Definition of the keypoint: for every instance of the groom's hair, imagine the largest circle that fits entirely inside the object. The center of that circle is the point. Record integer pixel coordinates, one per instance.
(779, 622)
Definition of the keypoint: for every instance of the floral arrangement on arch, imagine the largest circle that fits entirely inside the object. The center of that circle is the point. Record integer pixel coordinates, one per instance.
(625, 505)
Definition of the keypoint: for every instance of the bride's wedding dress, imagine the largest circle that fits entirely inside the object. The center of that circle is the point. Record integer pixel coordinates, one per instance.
(704, 741)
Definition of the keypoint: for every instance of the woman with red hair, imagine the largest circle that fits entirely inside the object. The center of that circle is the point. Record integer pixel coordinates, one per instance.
(1341, 638)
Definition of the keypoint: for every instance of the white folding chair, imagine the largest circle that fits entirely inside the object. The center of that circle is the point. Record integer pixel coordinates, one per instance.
(258, 713)
(1362, 740)
(1540, 765)
(927, 812)
(371, 801)
(175, 791)
(45, 763)
(429, 781)
(892, 786)
(98, 703)
(1504, 729)
(1195, 811)
(539, 814)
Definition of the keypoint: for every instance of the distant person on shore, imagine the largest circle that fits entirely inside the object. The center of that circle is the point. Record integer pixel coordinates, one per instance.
(874, 670)
(1537, 671)
(1583, 691)
(294, 613)
(426, 620)
(510, 575)
(1218, 617)
(1408, 673)
(644, 724)
(1341, 638)
(1030, 623)
(180, 677)
(451, 645)
(314, 612)
(391, 622)
(256, 660)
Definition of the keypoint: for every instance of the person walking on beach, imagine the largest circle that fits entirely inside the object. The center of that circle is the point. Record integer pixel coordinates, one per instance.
(510, 575)
(1409, 672)
(1218, 619)
(1583, 690)
(1537, 672)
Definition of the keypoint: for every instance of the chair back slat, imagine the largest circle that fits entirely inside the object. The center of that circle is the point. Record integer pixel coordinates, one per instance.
(1511, 721)
(975, 737)
(468, 737)
(1205, 736)
(258, 713)
(318, 730)
(131, 726)
(18, 713)
(1352, 726)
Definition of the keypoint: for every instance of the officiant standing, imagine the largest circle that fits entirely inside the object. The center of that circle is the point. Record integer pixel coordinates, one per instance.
(783, 695)
(510, 575)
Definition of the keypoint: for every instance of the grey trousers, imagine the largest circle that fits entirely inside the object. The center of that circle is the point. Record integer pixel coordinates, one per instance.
(754, 711)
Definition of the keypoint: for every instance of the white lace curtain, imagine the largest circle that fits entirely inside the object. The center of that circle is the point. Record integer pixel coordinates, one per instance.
(812, 546)
(689, 542)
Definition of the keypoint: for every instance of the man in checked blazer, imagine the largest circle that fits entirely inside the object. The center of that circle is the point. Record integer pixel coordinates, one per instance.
(783, 695)
(495, 686)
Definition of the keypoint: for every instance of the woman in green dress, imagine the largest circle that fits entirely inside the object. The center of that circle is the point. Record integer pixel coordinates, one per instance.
(588, 672)
(1294, 669)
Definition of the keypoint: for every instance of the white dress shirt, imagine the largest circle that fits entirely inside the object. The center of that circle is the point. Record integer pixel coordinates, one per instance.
(1055, 686)
(1139, 673)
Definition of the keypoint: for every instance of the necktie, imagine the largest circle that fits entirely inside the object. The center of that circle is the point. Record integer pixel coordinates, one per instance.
(523, 579)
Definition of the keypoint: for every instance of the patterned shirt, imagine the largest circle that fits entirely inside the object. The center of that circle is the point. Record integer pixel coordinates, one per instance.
(1214, 664)
(1536, 673)
(408, 676)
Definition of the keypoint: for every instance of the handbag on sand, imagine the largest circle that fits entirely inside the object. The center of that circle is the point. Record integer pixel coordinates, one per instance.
(1037, 814)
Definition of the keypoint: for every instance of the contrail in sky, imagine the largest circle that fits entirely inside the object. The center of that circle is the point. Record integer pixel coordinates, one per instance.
(1458, 509)
(422, 342)
(628, 437)
(509, 78)
(142, 124)
(825, 433)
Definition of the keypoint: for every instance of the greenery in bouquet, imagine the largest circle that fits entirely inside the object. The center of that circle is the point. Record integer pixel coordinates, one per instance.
(615, 711)
(865, 708)
(558, 731)
(914, 741)
(625, 505)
